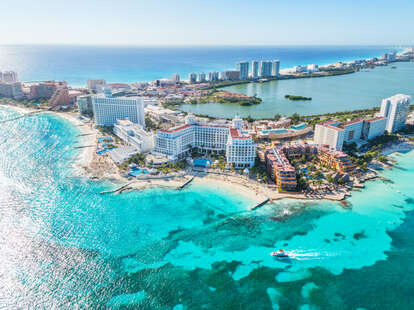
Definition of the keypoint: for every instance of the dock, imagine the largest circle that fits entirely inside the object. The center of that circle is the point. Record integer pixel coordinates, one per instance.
(116, 190)
(82, 146)
(260, 204)
(186, 183)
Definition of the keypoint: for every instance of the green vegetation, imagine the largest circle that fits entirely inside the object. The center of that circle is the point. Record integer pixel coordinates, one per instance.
(138, 159)
(106, 130)
(374, 150)
(297, 98)
(296, 118)
(149, 124)
(221, 84)
(277, 117)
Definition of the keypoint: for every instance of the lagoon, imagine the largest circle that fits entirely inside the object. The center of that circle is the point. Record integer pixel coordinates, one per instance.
(364, 89)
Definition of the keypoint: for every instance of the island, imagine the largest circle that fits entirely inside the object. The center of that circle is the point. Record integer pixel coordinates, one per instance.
(296, 98)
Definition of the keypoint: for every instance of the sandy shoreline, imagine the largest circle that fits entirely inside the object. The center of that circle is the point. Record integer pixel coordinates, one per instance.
(89, 164)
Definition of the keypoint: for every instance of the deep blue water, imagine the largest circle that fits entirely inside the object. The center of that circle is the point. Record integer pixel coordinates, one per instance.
(76, 64)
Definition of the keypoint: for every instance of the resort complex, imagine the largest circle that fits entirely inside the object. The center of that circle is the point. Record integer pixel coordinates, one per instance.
(231, 140)
(139, 127)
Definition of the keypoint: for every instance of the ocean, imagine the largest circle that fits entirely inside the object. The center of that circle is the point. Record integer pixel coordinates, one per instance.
(76, 64)
(64, 245)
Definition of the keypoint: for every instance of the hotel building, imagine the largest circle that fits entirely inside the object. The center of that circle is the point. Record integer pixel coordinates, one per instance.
(374, 127)
(265, 69)
(329, 134)
(280, 170)
(84, 104)
(107, 109)
(255, 69)
(396, 109)
(192, 77)
(8, 77)
(176, 142)
(275, 67)
(11, 90)
(134, 135)
(176, 78)
(336, 160)
(284, 174)
(243, 68)
(95, 85)
(213, 76)
(334, 133)
(202, 77)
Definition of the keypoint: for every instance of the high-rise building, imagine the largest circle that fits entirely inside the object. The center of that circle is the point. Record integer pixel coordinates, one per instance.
(329, 134)
(243, 68)
(265, 69)
(213, 76)
(231, 75)
(374, 127)
(60, 98)
(395, 109)
(95, 85)
(17, 90)
(202, 77)
(177, 142)
(192, 77)
(176, 77)
(9, 77)
(46, 89)
(84, 104)
(275, 67)
(107, 109)
(255, 69)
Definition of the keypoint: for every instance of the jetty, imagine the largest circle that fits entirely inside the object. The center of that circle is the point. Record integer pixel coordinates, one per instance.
(186, 183)
(116, 190)
(260, 204)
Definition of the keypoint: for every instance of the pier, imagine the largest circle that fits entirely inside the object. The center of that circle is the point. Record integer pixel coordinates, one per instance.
(260, 204)
(186, 183)
(116, 190)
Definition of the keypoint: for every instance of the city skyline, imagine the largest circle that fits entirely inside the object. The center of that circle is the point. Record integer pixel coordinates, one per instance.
(214, 23)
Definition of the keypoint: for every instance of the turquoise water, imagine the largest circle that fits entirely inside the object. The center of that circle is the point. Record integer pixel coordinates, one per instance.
(329, 94)
(202, 162)
(63, 245)
(279, 130)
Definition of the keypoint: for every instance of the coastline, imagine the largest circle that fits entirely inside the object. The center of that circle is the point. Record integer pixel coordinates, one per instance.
(89, 164)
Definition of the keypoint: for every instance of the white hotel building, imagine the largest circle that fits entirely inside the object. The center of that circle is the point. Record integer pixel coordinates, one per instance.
(134, 135)
(177, 142)
(396, 109)
(334, 133)
(107, 109)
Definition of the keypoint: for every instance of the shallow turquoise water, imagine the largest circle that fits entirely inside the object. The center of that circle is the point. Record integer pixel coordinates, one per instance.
(329, 94)
(65, 245)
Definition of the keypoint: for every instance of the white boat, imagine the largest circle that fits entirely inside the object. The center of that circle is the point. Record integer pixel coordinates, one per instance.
(280, 254)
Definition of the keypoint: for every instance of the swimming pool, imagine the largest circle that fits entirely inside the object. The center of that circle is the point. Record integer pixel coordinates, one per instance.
(105, 139)
(138, 171)
(202, 162)
(299, 126)
(278, 130)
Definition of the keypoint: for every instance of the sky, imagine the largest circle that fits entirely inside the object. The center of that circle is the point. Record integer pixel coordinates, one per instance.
(207, 22)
